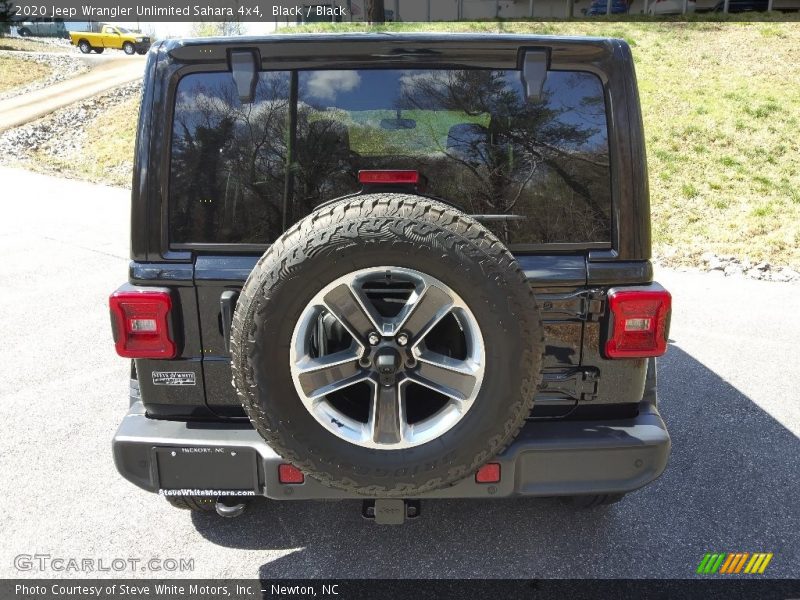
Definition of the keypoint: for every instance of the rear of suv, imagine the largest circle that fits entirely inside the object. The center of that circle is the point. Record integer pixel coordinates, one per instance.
(390, 267)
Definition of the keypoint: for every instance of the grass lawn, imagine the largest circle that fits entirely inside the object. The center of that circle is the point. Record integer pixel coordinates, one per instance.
(16, 72)
(114, 135)
(368, 139)
(721, 105)
(107, 156)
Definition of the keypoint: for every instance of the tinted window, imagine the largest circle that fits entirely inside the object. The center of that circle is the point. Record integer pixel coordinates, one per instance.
(535, 171)
(228, 160)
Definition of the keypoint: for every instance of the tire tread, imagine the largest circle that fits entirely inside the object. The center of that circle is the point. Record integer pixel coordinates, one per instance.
(352, 218)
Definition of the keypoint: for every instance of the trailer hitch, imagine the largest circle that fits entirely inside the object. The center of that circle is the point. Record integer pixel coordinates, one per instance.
(390, 511)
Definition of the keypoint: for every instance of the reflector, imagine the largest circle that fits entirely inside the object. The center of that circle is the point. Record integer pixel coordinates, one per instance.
(290, 474)
(488, 473)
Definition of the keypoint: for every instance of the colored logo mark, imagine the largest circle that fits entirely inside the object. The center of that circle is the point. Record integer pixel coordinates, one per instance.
(734, 562)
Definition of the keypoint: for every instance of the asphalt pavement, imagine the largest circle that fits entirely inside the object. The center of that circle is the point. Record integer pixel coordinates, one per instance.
(728, 392)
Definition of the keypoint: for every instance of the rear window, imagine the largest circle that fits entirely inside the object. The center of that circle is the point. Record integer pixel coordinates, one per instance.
(534, 172)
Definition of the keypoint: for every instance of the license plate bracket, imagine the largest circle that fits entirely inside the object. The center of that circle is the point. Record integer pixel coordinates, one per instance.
(206, 468)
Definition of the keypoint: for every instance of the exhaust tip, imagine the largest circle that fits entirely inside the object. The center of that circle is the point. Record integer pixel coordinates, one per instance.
(229, 511)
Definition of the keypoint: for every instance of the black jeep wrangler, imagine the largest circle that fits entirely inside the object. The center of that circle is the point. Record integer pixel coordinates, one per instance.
(393, 268)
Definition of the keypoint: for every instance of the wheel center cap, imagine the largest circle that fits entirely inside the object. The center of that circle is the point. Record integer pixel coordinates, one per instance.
(387, 364)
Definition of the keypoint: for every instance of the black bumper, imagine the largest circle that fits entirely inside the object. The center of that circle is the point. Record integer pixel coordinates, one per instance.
(547, 459)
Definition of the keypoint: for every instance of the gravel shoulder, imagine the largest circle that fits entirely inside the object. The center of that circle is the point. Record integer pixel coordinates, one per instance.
(106, 73)
(736, 267)
(62, 66)
(91, 139)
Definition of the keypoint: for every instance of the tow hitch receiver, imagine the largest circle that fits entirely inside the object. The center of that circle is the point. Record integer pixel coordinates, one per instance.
(390, 511)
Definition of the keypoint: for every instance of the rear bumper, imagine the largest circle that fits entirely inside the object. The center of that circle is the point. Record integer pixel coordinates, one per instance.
(547, 459)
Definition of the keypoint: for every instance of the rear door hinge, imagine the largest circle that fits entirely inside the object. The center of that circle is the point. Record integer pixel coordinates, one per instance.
(594, 305)
(580, 384)
(586, 305)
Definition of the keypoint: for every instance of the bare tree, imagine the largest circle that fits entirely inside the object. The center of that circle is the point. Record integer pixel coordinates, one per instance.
(375, 11)
(231, 155)
(527, 153)
(233, 28)
(6, 9)
(149, 29)
(217, 28)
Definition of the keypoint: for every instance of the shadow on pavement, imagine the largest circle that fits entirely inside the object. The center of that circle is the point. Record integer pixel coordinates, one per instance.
(730, 486)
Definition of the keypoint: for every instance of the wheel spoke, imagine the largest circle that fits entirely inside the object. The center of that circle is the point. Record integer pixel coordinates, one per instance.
(349, 309)
(430, 308)
(388, 314)
(448, 376)
(385, 421)
(327, 374)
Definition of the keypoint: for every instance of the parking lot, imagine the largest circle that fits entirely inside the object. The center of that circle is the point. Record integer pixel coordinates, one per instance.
(728, 391)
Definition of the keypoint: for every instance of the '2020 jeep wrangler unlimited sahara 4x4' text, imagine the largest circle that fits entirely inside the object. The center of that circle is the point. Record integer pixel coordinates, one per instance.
(390, 267)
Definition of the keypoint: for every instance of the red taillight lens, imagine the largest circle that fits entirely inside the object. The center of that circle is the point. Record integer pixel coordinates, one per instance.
(290, 474)
(388, 177)
(639, 323)
(488, 473)
(139, 319)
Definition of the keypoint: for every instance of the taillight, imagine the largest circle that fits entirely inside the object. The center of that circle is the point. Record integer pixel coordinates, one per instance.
(639, 323)
(388, 177)
(139, 319)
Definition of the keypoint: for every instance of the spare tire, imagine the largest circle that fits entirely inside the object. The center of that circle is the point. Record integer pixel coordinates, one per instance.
(387, 345)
